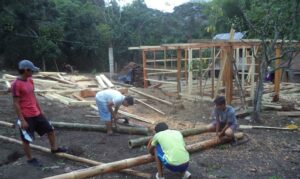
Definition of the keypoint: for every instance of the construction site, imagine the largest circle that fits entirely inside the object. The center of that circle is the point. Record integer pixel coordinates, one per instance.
(175, 84)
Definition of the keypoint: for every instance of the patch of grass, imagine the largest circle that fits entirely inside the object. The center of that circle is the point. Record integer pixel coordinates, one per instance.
(275, 177)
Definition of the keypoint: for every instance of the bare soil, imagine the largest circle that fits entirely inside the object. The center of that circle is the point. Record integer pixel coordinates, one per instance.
(266, 154)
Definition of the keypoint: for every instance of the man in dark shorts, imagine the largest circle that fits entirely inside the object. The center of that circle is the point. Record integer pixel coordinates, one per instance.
(224, 119)
(29, 112)
(169, 149)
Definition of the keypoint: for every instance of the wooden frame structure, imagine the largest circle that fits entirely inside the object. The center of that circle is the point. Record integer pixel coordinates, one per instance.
(227, 67)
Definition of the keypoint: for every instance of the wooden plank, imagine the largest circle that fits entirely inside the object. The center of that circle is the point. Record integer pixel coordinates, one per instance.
(158, 69)
(150, 96)
(100, 82)
(107, 81)
(151, 107)
(288, 113)
(160, 81)
(190, 77)
(129, 115)
(277, 73)
(61, 80)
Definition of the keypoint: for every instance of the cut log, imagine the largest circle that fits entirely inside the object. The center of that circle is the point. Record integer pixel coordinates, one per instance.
(61, 80)
(129, 115)
(107, 81)
(100, 82)
(151, 107)
(7, 124)
(150, 96)
(132, 162)
(73, 157)
(101, 128)
(187, 132)
(288, 113)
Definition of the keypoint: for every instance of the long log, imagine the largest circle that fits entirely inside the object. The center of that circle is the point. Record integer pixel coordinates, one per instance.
(150, 96)
(101, 128)
(136, 161)
(187, 132)
(73, 157)
(100, 82)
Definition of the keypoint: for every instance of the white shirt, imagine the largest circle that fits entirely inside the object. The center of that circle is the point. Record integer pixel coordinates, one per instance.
(110, 95)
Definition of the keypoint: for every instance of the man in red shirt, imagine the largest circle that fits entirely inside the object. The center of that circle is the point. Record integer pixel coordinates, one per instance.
(29, 112)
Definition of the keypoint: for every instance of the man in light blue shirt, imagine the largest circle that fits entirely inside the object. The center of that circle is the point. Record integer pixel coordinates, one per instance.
(106, 100)
(224, 119)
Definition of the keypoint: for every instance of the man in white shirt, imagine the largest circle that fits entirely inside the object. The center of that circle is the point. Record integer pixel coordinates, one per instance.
(106, 100)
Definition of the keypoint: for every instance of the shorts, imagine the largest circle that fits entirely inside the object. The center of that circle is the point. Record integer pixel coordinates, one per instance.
(174, 168)
(103, 110)
(39, 124)
(233, 127)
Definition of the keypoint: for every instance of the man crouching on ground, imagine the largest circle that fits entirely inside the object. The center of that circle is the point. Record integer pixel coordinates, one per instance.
(224, 120)
(169, 149)
(29, 111)
(106, 100)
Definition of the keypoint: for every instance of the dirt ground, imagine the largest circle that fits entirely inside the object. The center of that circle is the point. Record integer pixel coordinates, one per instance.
(267, 154)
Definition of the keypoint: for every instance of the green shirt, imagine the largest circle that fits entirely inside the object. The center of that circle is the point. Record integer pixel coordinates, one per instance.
(172, 143)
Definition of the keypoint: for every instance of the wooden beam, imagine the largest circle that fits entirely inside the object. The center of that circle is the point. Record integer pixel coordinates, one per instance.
(129, 115)
(150, 96)
(228, 75)
(107, 81)
(100, 82)
(179, 70)
(151, 107)
(160, 81)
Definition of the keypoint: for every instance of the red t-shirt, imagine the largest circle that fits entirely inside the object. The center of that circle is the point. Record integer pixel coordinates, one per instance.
(24, 89)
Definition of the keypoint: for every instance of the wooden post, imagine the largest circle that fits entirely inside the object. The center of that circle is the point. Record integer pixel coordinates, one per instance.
(190, 80)
(244, 60)
(154, 59)
(185, 64)
(277, 73)
(179, 70)
(111, 62)
(213, 72)
(144, 69)
(228, 75)
(201, 87)
(252, 73)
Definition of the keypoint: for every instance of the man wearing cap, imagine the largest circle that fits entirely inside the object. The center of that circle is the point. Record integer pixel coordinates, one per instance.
(29, 112)
(106, 100)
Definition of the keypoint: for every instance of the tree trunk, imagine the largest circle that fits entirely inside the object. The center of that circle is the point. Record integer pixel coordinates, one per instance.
(44, 64)
(259, 92)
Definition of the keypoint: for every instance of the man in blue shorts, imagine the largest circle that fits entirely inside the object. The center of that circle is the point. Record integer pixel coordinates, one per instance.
(169, 149)
(224, 119)
(106, 100)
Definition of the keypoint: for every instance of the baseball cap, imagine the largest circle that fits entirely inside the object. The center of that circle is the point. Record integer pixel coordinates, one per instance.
(26, 64)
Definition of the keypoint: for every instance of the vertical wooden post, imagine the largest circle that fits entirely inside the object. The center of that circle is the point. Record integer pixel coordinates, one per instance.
(213, 72)
(111, 62)
(201, 86)
(144, 69)
(185, 64)
(252, 72)
(190, 80)
(179, 70)
(277, 73)
(244, 60)
(228, 75)
(154, 59)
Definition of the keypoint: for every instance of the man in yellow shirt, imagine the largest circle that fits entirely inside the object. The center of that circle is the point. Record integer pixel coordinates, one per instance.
(169, 149)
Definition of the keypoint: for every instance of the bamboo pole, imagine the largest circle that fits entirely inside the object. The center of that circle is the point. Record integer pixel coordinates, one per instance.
(136, 161)
(100, 82)
(101, 128)
(106, 81)
(187, 132)
(145, 69)
(150, 96)
(73, 157)
(178, 71)
(7, 124)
